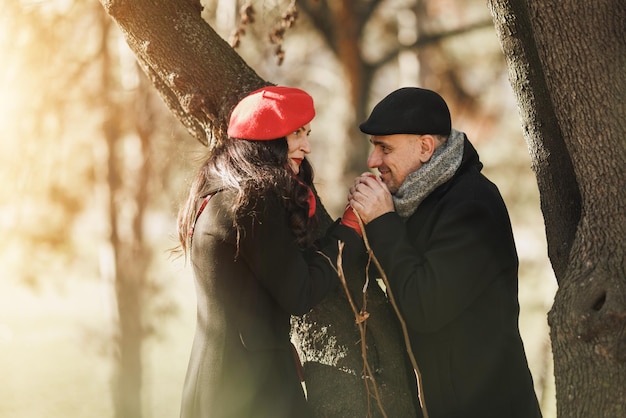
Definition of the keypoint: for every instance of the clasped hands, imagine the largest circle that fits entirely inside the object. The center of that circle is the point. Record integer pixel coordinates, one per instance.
(370, 198)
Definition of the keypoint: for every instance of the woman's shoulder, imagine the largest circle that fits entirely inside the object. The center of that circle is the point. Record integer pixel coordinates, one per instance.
(253, 207)
(221, 202)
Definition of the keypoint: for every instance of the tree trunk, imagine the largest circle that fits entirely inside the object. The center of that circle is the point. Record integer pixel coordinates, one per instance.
(566, 65)
(127, 382)
(126, 206)
(341, 23)
(348, 51)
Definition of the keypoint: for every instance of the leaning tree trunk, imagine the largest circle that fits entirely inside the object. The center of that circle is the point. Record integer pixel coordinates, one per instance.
(200, 77)
(567, 65)
(197, 74)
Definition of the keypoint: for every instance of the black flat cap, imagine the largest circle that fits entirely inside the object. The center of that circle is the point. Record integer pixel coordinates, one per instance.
(409, 110)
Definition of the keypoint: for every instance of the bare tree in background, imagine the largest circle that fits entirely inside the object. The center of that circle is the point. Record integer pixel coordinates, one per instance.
(343, 25)
(81, 144)
(130, 129)
(127, 124)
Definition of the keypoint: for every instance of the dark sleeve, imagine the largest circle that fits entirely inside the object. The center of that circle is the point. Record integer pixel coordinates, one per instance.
(296, 279)
(353, 254)
(463, 254)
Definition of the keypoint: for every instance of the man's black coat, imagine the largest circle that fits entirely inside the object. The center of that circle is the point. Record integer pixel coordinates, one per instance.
(452, 268)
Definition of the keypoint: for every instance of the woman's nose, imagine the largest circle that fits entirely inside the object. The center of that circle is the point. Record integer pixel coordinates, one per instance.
(306, 145)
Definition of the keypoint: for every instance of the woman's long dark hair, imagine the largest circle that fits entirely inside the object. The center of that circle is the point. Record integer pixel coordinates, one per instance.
(253, 169)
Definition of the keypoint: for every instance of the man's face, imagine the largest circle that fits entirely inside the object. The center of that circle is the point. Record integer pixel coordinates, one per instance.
(395, 157)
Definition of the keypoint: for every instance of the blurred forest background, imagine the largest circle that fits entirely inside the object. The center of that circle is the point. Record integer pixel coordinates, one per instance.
(65, 69)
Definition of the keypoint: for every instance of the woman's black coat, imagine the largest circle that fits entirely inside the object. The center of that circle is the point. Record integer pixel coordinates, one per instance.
(242, 363)
(452, 267)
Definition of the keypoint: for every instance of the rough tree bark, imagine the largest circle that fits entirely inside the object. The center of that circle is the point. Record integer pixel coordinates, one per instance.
(200, 78)
(567, 64)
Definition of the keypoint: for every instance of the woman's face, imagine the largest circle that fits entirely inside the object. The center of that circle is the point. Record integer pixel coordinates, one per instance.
(299, 146)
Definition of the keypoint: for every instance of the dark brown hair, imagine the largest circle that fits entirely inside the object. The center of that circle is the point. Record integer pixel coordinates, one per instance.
(253, 169)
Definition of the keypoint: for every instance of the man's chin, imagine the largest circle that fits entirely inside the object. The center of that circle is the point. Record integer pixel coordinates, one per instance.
(393, 189)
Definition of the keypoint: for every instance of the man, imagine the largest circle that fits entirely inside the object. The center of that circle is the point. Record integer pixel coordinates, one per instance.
(442, 235)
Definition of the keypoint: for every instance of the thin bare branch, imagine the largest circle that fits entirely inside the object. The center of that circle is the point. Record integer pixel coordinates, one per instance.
(361, 322)
(405, 333)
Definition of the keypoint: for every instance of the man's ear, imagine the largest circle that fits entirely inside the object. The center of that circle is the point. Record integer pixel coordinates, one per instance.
(427, 147)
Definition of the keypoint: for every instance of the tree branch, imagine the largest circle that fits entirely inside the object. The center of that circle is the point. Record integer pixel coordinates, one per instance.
(431, 38)
(361, 322)
(191, 66)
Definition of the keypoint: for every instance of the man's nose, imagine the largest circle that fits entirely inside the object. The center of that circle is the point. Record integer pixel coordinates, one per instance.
(374, 160)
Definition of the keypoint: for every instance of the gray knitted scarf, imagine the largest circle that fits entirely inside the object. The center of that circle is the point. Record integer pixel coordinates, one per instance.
(440, 168)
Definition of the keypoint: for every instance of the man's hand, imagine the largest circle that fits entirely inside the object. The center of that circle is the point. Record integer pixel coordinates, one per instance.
(370, 197)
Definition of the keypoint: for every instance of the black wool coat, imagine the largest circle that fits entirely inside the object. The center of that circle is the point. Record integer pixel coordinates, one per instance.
(452, 268)
(242, 362)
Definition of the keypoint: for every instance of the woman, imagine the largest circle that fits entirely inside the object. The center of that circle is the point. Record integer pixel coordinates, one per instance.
(249, 225)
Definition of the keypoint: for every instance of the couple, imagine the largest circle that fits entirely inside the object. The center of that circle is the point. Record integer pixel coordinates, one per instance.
(439, 228)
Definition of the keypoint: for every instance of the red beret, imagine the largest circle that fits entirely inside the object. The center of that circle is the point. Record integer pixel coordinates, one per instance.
(271, 112)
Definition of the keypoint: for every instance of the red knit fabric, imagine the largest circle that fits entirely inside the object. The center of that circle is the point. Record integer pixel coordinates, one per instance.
(271, 112)
(312, 203)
